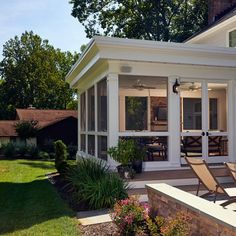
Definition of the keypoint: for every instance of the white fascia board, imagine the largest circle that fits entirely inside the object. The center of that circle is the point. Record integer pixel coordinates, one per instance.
(82, 58)
(162, 52)
(84, 70)
(211, 30)
(138, 44)
(105, 49)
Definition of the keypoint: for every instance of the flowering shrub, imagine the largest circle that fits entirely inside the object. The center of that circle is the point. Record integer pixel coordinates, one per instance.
(177, 226)
(130, 215)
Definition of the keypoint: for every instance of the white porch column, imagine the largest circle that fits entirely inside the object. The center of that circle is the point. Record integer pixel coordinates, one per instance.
(231, 119)
(174, 123)
(78, 129)
(113, 113)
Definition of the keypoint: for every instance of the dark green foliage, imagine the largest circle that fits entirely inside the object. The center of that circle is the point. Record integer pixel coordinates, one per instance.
(124, 151)
(43, 155)
(22, 150)
(33, 152)
(48, 146)
(60, 154)
(166, 20)
(94, 184)
(32, 73)
(72, 150)
(26, 129)
(9, 150)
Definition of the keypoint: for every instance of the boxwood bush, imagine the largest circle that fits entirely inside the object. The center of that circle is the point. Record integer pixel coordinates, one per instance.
(93, 183)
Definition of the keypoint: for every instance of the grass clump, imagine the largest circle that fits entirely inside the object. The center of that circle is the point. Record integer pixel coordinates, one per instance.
(93, 183)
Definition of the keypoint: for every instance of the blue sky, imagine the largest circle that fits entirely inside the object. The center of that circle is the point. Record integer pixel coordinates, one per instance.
(50, 19)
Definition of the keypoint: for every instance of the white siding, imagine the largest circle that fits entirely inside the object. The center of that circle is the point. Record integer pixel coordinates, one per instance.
(219, 37)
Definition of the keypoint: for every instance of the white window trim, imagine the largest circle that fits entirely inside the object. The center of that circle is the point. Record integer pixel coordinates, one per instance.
(227, 36)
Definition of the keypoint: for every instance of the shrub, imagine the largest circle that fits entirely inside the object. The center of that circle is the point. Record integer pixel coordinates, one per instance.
(60, 154)
(124, 151)
(92, 183)
(130, 216)
(72, 150)
(48, 146)
(9, 150)
(22, 150)
(177, 226)
(26, 129)
(43, 155)
(33, 151)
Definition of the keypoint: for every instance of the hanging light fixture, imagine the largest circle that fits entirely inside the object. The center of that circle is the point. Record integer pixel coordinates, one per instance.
(176, 86)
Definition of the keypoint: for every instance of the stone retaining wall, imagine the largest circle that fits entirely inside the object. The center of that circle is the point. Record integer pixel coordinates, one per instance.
(207, 218)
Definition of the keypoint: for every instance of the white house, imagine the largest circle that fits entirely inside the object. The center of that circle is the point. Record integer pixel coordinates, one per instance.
(130, 88)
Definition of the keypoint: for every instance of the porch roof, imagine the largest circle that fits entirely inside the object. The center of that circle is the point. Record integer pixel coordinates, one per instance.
(102, 50)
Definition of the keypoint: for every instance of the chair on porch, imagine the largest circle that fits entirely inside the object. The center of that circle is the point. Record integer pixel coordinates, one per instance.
(209, 181)
(157, 146)
(191, 144)
(215, 145)
(232, 169)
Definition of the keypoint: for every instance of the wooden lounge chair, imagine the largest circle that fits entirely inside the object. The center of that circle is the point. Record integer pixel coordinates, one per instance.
(209, 181)
(232, 169)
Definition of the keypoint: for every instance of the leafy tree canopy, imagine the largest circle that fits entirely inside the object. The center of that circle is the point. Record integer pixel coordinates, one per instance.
(32, 73)
(26, 129)
(167, 20)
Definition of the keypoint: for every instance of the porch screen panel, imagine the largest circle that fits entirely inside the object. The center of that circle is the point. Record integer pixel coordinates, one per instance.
(213, 114)
(102, 147)
(83, 112)
(91, 144)
(91, 110)
(136, 113)
(102, 105)
(192, 114)
(83, 142)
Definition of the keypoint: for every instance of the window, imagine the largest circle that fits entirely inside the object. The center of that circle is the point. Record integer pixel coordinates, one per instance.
(102, 105)
(83, 112)
(136, 113)
(232, 38)
(91, 110)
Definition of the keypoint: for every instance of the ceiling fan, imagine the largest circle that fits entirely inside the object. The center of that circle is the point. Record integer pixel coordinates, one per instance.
(140, 86)
(192, 87)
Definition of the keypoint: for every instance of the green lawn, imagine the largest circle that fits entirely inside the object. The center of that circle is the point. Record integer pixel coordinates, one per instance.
(29, 204)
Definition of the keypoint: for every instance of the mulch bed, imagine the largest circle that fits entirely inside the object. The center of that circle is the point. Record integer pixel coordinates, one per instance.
(104, 229)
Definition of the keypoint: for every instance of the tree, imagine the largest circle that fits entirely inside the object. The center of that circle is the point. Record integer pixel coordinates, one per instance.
(167, 20)
(26, 129)
(32, 73)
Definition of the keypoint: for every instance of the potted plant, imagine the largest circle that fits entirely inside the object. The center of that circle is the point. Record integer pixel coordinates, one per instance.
(124, 154)
(139, 154)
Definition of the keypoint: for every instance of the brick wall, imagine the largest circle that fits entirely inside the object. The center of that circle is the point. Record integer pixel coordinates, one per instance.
(216, 7)
(200, 225)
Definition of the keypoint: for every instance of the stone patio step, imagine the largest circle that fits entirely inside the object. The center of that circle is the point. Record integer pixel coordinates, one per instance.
(93, 217)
